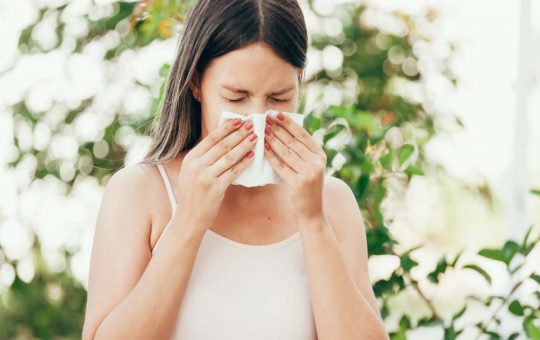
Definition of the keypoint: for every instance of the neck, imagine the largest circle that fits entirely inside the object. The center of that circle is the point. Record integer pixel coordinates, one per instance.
(238, 196)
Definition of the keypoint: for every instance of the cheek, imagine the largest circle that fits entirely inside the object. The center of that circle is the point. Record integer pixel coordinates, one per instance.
(211, 106)
(289, 106)
(212, 103)
(210, 111)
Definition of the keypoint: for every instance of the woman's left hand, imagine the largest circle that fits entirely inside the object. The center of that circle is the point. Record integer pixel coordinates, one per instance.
(300, 162)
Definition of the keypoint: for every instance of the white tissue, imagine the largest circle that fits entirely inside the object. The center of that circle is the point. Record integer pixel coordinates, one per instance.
(259, 171)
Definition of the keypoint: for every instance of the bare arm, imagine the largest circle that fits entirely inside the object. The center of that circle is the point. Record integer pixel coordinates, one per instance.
(335, 252)
(131, 294)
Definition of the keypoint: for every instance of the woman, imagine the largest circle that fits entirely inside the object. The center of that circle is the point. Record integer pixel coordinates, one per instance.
(284, 261)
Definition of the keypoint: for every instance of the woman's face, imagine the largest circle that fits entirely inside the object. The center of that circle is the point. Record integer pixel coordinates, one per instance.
(249, 80)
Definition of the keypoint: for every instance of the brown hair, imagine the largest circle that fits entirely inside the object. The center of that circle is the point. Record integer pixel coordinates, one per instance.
(213, 28)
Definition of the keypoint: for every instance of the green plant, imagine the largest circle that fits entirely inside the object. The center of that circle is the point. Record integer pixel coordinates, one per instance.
(507, 256)
(50, 306)
(373, 61)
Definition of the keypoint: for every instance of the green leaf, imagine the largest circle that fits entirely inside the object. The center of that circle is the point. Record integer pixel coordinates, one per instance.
(366, 121)
(527, 246)
(164, 70)
(439, 270)
(454, 262)
(493, 335)
(379, 193)
(428, 321)
(386, 159)
(413, 170)
(459, 313)
(393, 285)
(513, 270)
(531, 329)
(492, 298)
(404, 323)
(405, 152)
(513, 336)
(526, 238)
(494, 254)
(450, 333)
(526, 250)
(407, 263)
(479, 271)
(515, 308)
(474, 298)
(535, 277)
(535, 192)
(362, 186)
(509, 250)
(385, 311)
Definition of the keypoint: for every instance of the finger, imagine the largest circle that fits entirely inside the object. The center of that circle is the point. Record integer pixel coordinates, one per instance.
(229, 175)
(296, 130)
(230, 158)
(284, 152)
(227, 143)
(292, 142)
(282, 169)
(215, 136)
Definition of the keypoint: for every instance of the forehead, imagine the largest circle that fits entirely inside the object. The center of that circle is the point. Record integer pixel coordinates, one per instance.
(255, 66)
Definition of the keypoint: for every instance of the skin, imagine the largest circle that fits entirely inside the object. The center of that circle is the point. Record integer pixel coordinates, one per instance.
(259, 71)
(147, 291)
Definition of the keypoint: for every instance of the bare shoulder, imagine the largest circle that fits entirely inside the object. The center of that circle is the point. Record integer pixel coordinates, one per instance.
(342, 208)
(120, 247)
(134, 185)
(128, 203)
(335, 185)
(131, 177)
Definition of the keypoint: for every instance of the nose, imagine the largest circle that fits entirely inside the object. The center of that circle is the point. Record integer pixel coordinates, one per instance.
(256, 106)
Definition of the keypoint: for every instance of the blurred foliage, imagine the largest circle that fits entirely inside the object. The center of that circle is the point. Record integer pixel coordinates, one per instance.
(50, 306)
(368, 160)
(512, 255)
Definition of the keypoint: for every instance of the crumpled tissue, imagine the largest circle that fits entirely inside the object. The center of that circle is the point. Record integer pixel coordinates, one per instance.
(259, 172)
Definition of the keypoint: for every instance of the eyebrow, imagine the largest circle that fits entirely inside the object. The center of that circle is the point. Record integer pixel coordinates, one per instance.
(276, 93)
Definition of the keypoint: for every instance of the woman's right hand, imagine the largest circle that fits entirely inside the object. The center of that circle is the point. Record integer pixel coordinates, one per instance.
(210, 167)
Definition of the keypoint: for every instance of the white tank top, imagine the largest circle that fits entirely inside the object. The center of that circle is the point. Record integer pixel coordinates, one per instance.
(241, 291)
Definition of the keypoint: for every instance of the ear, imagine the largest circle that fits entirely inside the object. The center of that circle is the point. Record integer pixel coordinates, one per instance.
(195, 85)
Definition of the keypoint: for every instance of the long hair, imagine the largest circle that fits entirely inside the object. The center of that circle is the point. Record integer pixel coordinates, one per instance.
(214, 28)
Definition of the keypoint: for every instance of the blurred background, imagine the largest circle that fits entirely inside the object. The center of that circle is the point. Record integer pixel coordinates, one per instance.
(429, 110)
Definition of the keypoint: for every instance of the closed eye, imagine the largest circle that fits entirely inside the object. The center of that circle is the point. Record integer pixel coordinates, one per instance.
(235, 100)
(274, 99)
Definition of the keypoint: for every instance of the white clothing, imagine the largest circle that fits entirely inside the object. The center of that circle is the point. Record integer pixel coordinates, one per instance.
(241, 291)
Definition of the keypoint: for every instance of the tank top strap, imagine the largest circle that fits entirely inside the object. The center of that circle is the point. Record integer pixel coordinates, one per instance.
(172, 199)
(168, 186)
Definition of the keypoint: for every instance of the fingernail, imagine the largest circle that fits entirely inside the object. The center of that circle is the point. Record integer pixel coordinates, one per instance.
(252, 137)
(269, 120)
(236, 122)
(281, 116)
(267, 131)
(249, 125)
(250, 154)
(266, 146)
